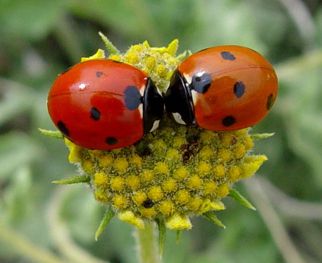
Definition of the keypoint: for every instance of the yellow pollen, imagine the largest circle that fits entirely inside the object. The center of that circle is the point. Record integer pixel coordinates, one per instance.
(195, 203)
(206, 153)
(100, 195)
(178, 142)
(173, 154)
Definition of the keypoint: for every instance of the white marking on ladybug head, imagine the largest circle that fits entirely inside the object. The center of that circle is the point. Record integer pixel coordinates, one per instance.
(177, 117)
(194, 97)
(140, 108)
(188, 78)
(142, 90)
(155, 125)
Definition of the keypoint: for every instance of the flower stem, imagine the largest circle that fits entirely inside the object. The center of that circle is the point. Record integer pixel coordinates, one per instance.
(147, 244)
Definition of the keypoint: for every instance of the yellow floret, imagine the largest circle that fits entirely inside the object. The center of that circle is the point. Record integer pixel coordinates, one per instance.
(106, 160)
(133, 181)
(155, 193)
(194, 203)
(224, 154)
(206, 153)
(178, 222)
(129, 217)
(182, 197)
(139, 197)
(100, 195)
(166, 207)
(121, 165)
(178, 141)
(161, 168)
(194, 182)
(210, 187)
(203, 168)
(219, 170)
(234, 173)
(117, 183)
(150, 62)
(181, 173)
(100, 179)
(120, 201)
(148, 212)
(136, 160)
(147, 175)
(88, 166)
(169, 185)
(222, 190)
(173, 154)
(249, 144)
(239, 151)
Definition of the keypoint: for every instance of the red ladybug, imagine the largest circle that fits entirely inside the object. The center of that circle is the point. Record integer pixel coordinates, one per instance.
(104, 104)
(222, 88)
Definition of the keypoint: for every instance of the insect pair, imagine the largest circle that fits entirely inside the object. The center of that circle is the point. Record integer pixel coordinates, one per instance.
(104, 104)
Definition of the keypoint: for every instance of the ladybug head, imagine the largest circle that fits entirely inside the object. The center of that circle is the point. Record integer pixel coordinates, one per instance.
(178, 100)
(153, 107)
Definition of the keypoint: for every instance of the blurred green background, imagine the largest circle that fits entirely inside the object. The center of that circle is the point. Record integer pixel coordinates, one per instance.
(42, 222)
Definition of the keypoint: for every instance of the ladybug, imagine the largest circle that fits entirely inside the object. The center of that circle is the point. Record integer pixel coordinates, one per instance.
(104, 104)
(222, 88)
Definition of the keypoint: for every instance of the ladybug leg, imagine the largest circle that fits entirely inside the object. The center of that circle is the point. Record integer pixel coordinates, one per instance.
(178, 100)
(153, 107)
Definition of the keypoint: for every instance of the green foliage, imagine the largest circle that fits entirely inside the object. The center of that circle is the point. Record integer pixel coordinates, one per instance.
(41, 38)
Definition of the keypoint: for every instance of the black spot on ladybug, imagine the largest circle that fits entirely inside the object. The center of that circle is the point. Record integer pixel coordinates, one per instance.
(270, 101)
(111, 140)
(95, 114)
(148, 203)
(228, 121)
(227, 55)
(201, 83)
(99, 74)
(62, 127)
(239, 89)
(132, 97)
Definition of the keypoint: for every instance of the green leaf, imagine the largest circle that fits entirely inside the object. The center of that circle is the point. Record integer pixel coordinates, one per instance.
(211, 216)
(241, 199)
(109, 214)
(73, 180)
(52, 134)
(261, 136)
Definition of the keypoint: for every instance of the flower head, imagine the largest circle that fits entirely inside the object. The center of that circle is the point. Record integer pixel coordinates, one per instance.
(174, 172)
